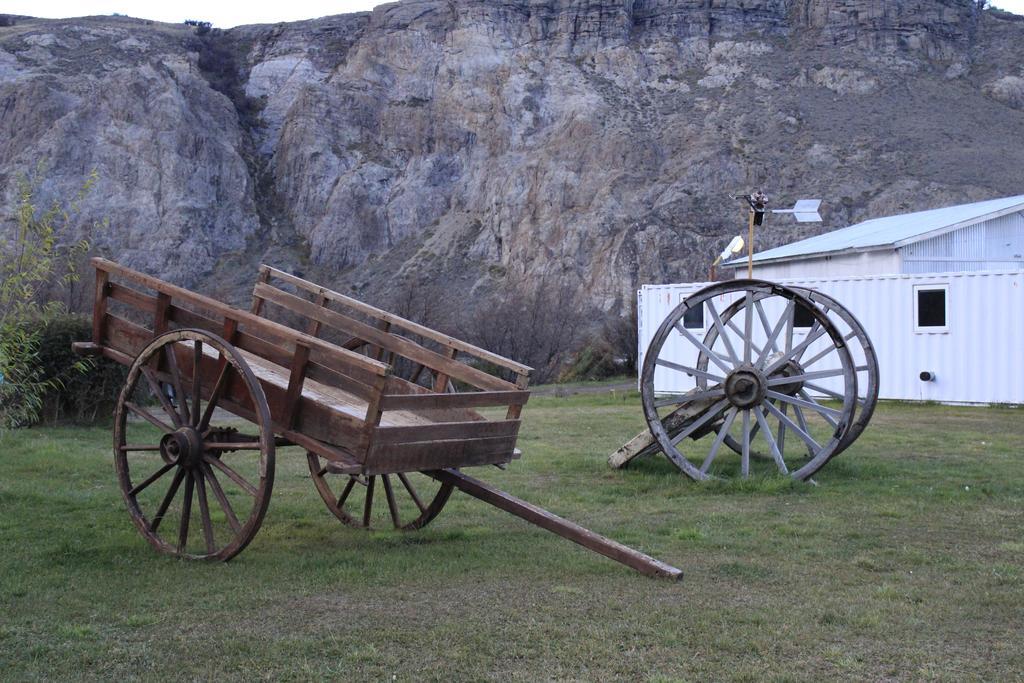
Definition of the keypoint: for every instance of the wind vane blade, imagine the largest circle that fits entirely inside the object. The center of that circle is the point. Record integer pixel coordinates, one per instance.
(804, 211)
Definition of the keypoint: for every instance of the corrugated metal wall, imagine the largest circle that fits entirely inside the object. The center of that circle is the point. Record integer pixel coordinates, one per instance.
(997, 244)
(836, 265)
(980, 359)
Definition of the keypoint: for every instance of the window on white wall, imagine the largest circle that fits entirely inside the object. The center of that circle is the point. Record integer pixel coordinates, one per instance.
(693, 318)
(802, 317)
(931, 308)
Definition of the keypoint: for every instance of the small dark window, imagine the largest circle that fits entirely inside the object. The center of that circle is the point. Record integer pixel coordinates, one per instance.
(802, 316)
(693, 319)
(931, 308)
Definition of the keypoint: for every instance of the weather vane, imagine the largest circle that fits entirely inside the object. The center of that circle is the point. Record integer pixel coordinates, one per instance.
(804, 211)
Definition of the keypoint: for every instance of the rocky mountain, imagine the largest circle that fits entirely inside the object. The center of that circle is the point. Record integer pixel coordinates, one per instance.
(463, 147)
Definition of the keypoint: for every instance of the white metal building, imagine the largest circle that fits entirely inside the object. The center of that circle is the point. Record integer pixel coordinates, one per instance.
(938, 291)
(970, 237)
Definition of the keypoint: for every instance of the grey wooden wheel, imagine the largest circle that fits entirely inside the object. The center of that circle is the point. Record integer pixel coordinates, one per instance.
(861, 349)
(865, 363)
(405, 500)
(742, 378)
(165, 442)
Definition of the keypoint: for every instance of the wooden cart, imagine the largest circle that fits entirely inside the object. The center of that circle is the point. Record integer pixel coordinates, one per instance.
(212, 390)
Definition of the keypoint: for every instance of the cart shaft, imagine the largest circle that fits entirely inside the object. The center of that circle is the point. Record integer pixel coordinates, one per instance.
(555, 524)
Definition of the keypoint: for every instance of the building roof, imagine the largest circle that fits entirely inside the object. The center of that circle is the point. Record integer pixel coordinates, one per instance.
(891, 231)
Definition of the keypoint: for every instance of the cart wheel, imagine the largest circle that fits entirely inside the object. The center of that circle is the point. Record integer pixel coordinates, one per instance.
(864, 358)
(748, 371)
(164, 443)
(408, 501)
(861, 350)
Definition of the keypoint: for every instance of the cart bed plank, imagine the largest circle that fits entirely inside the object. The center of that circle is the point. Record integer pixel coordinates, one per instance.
(338, 400)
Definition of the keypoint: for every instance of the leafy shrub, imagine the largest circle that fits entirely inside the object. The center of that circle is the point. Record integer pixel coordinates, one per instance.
(34, 262)
(75, 396)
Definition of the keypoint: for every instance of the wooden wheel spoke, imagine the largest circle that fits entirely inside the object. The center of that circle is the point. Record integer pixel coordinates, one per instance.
(172, 364)
(731, 324)
(826, 413)
(745, 454)
(157, 390)
(717, 320)
(790, 329)
(772, 445)
(712, 356)
(186, 512)
(688, 397)
(138, 488)
(412, 491)
(139, 447)
(694, 372)
(818, 356)
(723, 431)
(368, 505)
(710, 414)
(795, 352)
(782, 431)
(166, 503)
(810, 404)
(204, 513)
(827, 392)
(803, 377)
(344, 493)
(149, 417)
(800, 431)
(231, 474)
(392, 505)
(748, 327)
(222, 499)
(773, 334)
(802, 420)
(218, 389)
(197, 356)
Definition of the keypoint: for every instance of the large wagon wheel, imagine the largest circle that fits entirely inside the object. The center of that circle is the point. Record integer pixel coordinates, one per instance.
(861, 349)
(405, 500)
(864, 358)
(163, 431)
(743, 378)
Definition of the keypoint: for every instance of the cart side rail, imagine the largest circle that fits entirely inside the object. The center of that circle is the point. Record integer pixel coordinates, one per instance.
(391, 321)
(129, 312)
(412, 426)
(444, 364)
(162, 307)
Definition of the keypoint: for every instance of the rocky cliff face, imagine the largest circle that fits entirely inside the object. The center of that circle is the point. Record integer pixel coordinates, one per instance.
(583, 145)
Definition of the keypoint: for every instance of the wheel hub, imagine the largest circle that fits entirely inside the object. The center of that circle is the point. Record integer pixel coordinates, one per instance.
(745, 387)
(789, 370)
(183, 446)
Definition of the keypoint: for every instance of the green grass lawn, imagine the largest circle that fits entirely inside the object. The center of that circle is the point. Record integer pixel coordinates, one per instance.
(906, 562)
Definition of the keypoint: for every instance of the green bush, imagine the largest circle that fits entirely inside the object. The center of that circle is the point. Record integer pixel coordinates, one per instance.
(38, 259)
(75, 396)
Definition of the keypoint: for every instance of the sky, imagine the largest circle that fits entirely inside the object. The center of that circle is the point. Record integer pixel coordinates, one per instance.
(231, 12)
